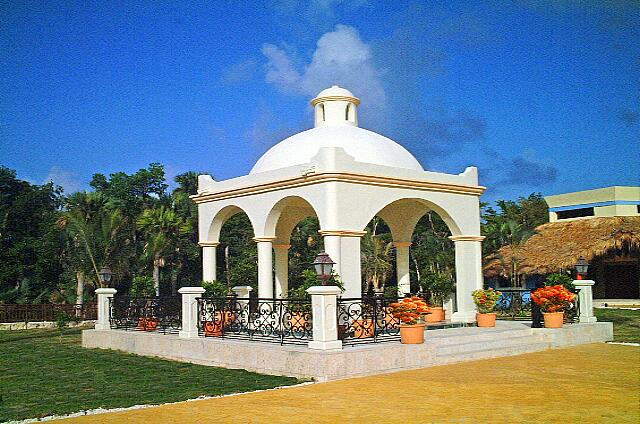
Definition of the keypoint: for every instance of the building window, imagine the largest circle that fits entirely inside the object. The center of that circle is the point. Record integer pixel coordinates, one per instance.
(575, 213)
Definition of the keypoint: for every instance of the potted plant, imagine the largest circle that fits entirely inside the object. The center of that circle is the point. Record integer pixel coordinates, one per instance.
(439, 286)
(141, 290)
(553, 300)
(485, 301)
(222, 317)
(409, 311)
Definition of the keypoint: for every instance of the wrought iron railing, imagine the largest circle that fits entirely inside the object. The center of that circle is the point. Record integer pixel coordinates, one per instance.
(153, 314)
(284, 321)
(366, 320)
(46, 312)
(516, 305)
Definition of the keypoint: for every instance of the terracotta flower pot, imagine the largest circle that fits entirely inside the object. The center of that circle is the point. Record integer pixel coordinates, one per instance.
(213, 328)
(486, 320)
(412, 334)
(363, 328)
(298, 321)
(436, 315)
(553, 319)
(147, 324)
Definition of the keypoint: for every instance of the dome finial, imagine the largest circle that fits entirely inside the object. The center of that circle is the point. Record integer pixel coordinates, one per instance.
(336, 106)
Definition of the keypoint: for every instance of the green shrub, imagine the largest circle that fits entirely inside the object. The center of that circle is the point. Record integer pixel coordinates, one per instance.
(215, 288)
(142, 286)
(560, 280)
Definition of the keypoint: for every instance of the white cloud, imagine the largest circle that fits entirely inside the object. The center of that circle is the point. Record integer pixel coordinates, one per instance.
(341, 57)
(67, 179)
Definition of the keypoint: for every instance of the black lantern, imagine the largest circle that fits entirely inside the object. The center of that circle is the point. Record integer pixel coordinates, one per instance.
(582, 266)
(323, 265)
(105, 275)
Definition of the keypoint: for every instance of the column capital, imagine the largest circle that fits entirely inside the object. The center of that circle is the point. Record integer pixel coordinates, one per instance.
(324, 290)
(466, 238)
(583, 283)
(342, 233)
(402, 244)
(209, 243)
(264, 239)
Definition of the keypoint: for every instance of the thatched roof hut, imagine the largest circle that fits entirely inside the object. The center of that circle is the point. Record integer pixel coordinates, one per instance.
(557, 246)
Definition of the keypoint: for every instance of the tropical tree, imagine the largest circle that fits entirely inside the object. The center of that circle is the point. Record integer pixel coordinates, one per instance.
(376, 259)
(98, 236)
(162, 229)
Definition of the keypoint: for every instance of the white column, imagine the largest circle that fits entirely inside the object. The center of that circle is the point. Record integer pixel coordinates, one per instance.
(343, 246)
(402, 263)
(104, 311)
(468, 275)
(333, 248)
(265, 266)
(190, 311)
(324, 316)
(281, 253)
(585, 298)
(351, 272)
(208, 260)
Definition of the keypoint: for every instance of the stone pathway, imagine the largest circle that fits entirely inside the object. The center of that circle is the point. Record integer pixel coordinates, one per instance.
(589, 383)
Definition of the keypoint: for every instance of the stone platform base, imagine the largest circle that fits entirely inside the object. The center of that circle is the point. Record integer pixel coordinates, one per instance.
(440, 347)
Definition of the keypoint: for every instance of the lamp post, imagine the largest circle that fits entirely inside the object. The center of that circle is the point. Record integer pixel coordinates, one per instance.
(323, 265)
(105, 275)
(582, 266)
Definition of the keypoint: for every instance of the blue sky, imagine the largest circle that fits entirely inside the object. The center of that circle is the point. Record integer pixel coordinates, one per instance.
(541, 96)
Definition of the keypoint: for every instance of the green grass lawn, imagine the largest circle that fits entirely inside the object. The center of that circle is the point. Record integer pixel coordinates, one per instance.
(626, 323)
(41, 375)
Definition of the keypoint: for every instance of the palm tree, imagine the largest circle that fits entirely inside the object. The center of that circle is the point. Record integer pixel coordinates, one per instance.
(513, 235)
(162, 228)
(97, 237)
(376, 259)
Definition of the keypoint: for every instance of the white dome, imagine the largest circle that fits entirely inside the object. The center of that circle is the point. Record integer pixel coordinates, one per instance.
(336, 125)
(365, 146)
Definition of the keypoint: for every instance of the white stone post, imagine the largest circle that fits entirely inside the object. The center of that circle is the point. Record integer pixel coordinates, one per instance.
(208, 260)
(402, 263)
(585, 298)
(343, 246)
(324, 316)
(104, 311)
(242, 298)
(190, 311)
(468, 275)
(281, 253)
(265, 266)
(448, 308)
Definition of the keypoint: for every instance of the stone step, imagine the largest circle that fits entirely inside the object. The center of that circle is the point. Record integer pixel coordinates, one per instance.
(493, 344)
(470, 355)
(471, 335)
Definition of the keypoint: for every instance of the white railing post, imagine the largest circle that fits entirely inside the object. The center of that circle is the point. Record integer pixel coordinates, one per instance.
(585, 298)
(324, 303)
(190, 311)
(104, 311)
(242, 298)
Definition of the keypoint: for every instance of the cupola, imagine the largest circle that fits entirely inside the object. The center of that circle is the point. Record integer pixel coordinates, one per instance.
(336, 106)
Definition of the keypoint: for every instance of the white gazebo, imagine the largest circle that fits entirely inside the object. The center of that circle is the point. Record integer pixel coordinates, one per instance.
(344, 175)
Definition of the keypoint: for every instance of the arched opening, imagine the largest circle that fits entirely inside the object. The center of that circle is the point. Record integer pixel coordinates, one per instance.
(294, 224)
(408, 243)
(236, 255)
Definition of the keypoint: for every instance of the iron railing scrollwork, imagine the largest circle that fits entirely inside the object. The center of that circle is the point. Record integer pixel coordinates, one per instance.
(366, 320)
(284, 321)
(46, 312)
(153, 314)
(516, 304)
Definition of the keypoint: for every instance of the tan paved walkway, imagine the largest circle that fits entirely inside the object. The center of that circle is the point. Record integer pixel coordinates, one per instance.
(592, 383)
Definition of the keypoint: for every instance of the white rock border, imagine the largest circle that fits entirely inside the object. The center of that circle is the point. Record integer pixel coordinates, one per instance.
(98, 411)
